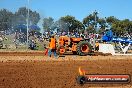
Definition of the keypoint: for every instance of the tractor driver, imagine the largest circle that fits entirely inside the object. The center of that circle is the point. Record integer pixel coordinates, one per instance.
(52, 46)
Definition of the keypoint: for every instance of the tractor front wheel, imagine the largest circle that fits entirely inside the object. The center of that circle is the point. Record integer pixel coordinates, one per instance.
(61, 50)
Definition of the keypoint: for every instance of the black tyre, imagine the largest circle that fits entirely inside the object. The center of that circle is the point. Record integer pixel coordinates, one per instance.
(83, 48)
(74, 52)
(81, 80)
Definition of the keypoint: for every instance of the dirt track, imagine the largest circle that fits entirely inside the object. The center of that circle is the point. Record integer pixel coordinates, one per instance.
(41, 72)
(22, 53)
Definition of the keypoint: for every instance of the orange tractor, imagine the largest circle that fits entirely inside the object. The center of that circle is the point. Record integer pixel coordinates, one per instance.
(78, 46)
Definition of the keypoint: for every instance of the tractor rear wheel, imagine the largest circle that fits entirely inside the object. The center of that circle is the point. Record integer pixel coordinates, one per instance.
(83, 48)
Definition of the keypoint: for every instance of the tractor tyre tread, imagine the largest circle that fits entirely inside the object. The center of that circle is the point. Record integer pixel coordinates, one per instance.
(80, 44)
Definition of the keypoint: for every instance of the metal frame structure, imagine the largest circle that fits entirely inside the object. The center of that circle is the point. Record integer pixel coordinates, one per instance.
(27, 21)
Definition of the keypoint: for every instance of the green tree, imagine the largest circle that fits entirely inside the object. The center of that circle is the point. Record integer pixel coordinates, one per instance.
(122, 26)
(70, 23)
(47, 23)
(5, 19)
(20, 17)
(90, 22)
(111, 20)
(127, 25)
(102, 25)
(119, 27)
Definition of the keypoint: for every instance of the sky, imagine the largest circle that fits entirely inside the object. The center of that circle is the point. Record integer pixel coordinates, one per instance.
(121, 9)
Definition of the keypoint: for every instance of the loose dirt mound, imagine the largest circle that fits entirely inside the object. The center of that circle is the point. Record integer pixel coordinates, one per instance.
(60, 73)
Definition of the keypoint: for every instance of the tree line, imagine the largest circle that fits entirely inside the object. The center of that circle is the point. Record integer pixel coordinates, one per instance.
(18, 20)
(90, 24)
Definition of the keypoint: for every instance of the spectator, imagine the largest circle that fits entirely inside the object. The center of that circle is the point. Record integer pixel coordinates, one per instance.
(96, 46)
(52, 46)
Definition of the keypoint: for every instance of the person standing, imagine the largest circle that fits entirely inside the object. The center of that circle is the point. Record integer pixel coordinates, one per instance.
(97, 46)
(52, 47)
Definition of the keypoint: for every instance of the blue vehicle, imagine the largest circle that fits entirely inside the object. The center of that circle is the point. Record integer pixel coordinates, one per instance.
(124, 43)
(108, 37)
